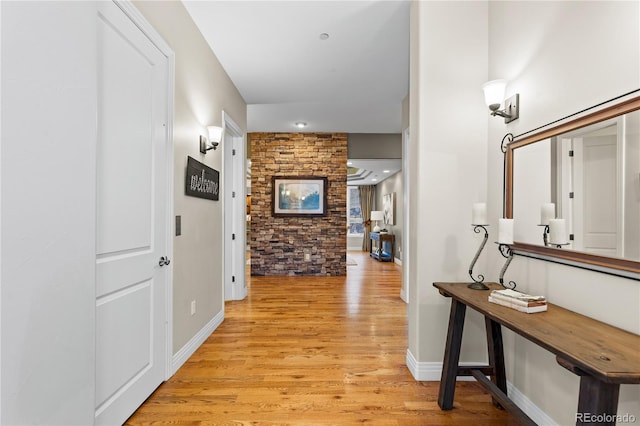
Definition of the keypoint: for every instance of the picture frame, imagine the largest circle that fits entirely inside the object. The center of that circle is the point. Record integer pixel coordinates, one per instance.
(298, 196)
(389, 208)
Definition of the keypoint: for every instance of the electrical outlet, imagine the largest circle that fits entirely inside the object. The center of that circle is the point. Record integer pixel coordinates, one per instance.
(193, 307)
(307, 256)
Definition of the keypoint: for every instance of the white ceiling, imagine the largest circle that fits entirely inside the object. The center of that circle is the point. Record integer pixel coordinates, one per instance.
(372, 172)
(352, 82)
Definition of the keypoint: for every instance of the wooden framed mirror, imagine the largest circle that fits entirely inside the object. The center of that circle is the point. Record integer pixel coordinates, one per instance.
(589, 168)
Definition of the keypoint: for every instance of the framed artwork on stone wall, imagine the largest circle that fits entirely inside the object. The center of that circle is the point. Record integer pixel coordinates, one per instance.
(299, 196)
(389, 208)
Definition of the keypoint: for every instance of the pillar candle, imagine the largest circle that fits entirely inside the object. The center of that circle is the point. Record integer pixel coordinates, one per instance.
(479, 214)
(547, 212)
(505, 231)
(557, 231)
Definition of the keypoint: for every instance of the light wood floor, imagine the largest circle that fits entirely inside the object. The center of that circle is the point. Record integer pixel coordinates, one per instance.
(312, 351)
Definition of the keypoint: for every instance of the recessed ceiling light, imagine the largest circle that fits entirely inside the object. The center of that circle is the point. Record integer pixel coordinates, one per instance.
(385, 171)
(374, 180)
(301, 125)
(324, 36)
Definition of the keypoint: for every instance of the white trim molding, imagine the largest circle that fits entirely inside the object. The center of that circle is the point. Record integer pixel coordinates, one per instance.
(531, 409)
(196, 341)
(152, 34)
(234, 216)
(432, 371)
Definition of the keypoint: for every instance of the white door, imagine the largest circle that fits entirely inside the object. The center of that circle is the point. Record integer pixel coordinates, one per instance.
(131, 216)
(596, 194)
(235, 212)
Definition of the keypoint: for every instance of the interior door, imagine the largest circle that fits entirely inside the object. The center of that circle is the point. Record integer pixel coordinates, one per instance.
(131, 259)
(596, 194)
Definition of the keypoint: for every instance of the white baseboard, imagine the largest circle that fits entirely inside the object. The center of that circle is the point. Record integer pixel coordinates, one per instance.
(403, 295)
(531, 409)
(180, 357)
(432, 372)
(397, 261)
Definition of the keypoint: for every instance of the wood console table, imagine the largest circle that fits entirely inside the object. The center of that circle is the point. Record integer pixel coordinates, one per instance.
(602, 355)
(384, 246)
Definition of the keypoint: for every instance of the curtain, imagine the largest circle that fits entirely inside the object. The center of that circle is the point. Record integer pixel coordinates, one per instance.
(367, 198)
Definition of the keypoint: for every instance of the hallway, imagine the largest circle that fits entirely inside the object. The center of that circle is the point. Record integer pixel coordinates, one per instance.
(312, 350)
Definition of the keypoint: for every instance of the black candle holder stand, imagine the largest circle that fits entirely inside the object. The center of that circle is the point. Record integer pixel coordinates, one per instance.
(506, 252)
(477, 284)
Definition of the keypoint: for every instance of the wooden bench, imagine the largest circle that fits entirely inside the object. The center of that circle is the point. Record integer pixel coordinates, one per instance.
(602, 355)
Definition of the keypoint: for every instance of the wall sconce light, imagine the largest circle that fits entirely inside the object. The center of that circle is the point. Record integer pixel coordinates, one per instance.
(494, 97)
(377, 215)
(215, 137)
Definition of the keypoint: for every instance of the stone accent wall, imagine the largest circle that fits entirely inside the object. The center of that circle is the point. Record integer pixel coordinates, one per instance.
(279, 244)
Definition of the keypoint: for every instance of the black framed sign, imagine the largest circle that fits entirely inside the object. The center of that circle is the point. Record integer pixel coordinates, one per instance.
(202, 181)
(299, 196)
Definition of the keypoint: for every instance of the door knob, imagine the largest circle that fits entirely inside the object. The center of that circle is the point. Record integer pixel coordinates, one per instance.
(164, 261)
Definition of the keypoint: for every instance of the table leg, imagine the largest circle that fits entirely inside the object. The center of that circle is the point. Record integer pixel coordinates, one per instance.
(496, 356)
(597, 402)
(451, 355)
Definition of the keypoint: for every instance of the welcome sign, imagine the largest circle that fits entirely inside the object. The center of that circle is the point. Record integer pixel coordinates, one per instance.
(202, 181)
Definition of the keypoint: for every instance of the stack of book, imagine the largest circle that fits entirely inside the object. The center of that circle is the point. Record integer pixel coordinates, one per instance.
(519, 301)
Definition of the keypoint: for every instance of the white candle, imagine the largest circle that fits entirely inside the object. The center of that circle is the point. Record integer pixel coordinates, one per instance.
(505, 231)
(479, 214)
(547, 212)
(557, 231)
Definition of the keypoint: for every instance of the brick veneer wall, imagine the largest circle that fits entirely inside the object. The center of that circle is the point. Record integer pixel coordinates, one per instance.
(279, 244)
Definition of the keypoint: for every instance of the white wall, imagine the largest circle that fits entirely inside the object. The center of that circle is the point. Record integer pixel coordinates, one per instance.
(48, 212)
(562, 57)
(202, 91)
(448, 166)
(354, 242)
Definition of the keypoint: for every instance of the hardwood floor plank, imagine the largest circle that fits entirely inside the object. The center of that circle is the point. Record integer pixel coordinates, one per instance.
(312, 351)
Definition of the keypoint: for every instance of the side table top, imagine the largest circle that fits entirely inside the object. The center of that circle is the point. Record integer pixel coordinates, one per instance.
(596, 348)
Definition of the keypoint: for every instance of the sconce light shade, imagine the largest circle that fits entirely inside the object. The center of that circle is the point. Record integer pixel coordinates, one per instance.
(494, 93)
(494, 97)
(215, 134)
(215, 137)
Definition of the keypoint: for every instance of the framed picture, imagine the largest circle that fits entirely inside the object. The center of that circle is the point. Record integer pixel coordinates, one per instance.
(389, 208)
(299, 196)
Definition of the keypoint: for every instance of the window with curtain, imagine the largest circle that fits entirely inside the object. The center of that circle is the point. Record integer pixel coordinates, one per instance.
(354, 219)
(367, 198)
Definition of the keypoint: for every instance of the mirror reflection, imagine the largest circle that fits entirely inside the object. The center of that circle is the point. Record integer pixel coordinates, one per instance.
(592, 177)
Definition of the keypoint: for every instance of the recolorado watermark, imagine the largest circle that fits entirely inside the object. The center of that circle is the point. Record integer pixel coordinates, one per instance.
(605, 418)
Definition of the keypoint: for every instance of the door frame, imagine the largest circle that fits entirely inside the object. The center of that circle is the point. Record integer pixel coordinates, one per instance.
(1, 211)
(141, 22)
(404, 292)
(234, 138)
